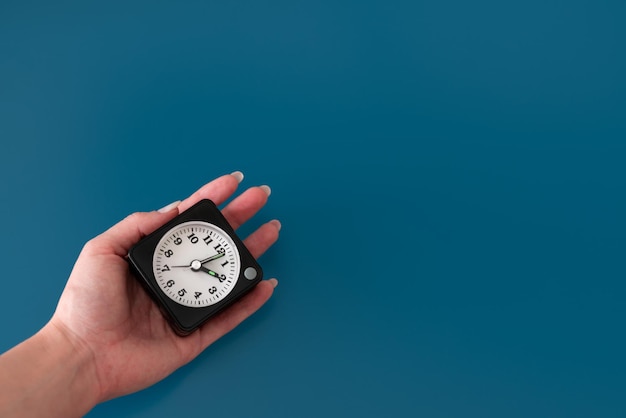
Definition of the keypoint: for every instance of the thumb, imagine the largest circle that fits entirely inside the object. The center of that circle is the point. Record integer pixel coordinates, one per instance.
(126, 233)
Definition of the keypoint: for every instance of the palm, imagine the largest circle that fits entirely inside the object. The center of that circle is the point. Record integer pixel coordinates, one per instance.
(105, 307)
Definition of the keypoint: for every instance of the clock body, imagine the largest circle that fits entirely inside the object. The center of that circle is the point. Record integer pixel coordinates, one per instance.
(194, 266)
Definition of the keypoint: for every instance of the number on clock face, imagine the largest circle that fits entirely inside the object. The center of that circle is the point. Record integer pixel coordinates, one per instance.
(196, 264)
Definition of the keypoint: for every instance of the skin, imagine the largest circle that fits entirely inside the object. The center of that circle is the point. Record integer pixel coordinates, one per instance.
(107, 338)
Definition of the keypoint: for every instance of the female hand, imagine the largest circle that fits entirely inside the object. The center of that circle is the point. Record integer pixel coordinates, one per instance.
(116, 336)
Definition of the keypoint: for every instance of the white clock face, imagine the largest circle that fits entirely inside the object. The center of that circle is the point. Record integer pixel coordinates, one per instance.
(196, 264)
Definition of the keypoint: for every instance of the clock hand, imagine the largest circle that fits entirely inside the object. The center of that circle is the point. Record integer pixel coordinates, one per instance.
(195, 264)
(214, 257)
(206, 260)
(210, 272)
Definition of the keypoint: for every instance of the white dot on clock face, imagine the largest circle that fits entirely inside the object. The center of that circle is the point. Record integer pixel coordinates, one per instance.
(196, 264)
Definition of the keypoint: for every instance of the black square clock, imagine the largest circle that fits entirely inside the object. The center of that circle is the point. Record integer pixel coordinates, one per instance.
(194, 266)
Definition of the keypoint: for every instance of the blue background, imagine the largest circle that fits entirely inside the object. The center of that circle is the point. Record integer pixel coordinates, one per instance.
(450, 177)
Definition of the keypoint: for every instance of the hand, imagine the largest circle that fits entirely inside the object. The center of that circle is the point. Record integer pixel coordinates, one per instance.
(105, 313)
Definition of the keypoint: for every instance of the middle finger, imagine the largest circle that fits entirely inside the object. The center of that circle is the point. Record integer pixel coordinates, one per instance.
(246, 205)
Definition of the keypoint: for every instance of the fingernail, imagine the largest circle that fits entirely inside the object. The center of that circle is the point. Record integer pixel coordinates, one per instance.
(277, 223)
(169, 207)
(266, 189)
(274, 282)
(238, 175)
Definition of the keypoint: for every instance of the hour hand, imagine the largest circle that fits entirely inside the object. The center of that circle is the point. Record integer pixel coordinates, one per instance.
(209, 271)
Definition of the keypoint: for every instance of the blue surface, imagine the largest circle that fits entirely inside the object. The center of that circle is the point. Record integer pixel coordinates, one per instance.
(450, 177)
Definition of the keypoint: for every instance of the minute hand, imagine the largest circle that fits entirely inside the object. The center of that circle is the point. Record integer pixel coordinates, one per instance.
(213, 257)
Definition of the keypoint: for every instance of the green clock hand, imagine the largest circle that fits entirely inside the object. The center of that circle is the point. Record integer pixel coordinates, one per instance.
(209, 271)
(220, 277)
(214, 257)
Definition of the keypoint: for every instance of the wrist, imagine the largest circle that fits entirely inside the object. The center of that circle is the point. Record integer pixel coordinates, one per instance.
(51, 374)
(80, 365)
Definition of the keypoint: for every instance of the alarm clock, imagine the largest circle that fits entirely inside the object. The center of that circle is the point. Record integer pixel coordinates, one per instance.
(194, 266)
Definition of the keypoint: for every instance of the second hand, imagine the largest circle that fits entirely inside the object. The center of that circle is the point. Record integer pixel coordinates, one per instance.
(206, 260)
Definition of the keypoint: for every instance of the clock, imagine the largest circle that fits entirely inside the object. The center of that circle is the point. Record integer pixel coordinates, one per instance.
(194, 266)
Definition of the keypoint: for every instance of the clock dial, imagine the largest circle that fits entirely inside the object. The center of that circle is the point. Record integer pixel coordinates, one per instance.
(196, 264)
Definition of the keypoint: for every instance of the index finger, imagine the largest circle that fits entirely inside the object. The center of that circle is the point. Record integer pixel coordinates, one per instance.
(217, 190)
